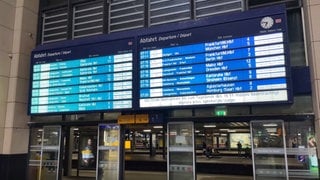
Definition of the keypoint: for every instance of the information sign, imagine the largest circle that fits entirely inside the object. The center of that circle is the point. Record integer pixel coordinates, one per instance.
(91, 77)
(232, 62)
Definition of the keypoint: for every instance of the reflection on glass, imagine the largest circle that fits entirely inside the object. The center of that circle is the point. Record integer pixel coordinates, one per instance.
(269, 150)
(88, 152)
(180, 135)
(301, 150)
(108, 152)
(44, 153)
(181, 151)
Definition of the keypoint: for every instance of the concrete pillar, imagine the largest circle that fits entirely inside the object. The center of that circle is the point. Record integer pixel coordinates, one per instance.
(18, 27)
(311, 17)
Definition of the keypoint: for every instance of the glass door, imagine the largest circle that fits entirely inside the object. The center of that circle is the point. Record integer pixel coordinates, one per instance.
(269, 156)
(44, 153)
(109, 164)
(181, 155)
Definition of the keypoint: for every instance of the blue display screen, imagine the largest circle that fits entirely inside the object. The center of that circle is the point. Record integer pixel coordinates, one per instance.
(238, 58)
(93, 77)
(232, 62)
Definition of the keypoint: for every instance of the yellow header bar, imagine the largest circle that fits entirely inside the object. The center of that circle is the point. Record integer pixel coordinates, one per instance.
(126, 119)
(142, 118)
(134, 119)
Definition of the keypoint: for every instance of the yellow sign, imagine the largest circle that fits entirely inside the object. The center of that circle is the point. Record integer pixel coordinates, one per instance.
(142, 118)
(126, 119)
(127, 144)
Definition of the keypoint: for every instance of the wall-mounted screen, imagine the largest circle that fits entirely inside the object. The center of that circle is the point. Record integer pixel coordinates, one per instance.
(81, 78)
(242, 138)
(238, 61)
(239, 58)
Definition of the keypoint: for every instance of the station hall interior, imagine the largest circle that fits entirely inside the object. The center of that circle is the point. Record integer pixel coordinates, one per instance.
(159, 89)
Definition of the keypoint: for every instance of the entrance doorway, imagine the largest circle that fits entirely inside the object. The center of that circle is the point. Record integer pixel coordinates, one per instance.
(53, 156)
(45, 153)
(144, 144)
(222, 138)
(55, 147)
(144, 139)
(81, 152)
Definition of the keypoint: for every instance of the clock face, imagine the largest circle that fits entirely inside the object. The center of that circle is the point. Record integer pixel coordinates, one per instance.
(266, 22)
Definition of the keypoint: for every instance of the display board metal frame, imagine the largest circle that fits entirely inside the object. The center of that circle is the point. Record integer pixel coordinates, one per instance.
(44, 157)
(109, 160)
(269, 154)
(181, 151)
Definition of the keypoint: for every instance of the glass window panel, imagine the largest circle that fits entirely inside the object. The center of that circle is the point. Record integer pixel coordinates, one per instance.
(108, 152)
(296, 40)
(302, 104)
(181, 151)
(180, 135)
(269, 155)
(301, 150)
(36, 136)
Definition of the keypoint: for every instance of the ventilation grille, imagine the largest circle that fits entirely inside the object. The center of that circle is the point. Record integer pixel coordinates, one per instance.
(206, 8)
(88, 19)
(126, 14)
(167, 11)
(55, 25)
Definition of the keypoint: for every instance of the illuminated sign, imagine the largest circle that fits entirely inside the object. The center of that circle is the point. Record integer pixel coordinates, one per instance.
(226, 63)
(239, 58)
(92, 77)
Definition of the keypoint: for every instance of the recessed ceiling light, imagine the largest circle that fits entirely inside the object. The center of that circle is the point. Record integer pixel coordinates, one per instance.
(224, 129)
(270, 125)
(157, 127)
(209, 126)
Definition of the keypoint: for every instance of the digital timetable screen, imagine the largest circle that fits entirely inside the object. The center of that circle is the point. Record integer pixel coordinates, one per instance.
(83, 78)
(232, 62)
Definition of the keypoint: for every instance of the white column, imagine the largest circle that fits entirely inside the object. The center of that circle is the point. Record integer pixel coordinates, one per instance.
(312, 24)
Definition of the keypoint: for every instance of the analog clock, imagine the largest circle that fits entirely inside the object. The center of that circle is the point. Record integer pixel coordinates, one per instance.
(266, 22)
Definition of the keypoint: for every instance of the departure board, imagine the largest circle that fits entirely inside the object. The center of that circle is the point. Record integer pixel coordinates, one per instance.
(234, 62)
(94, 77)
